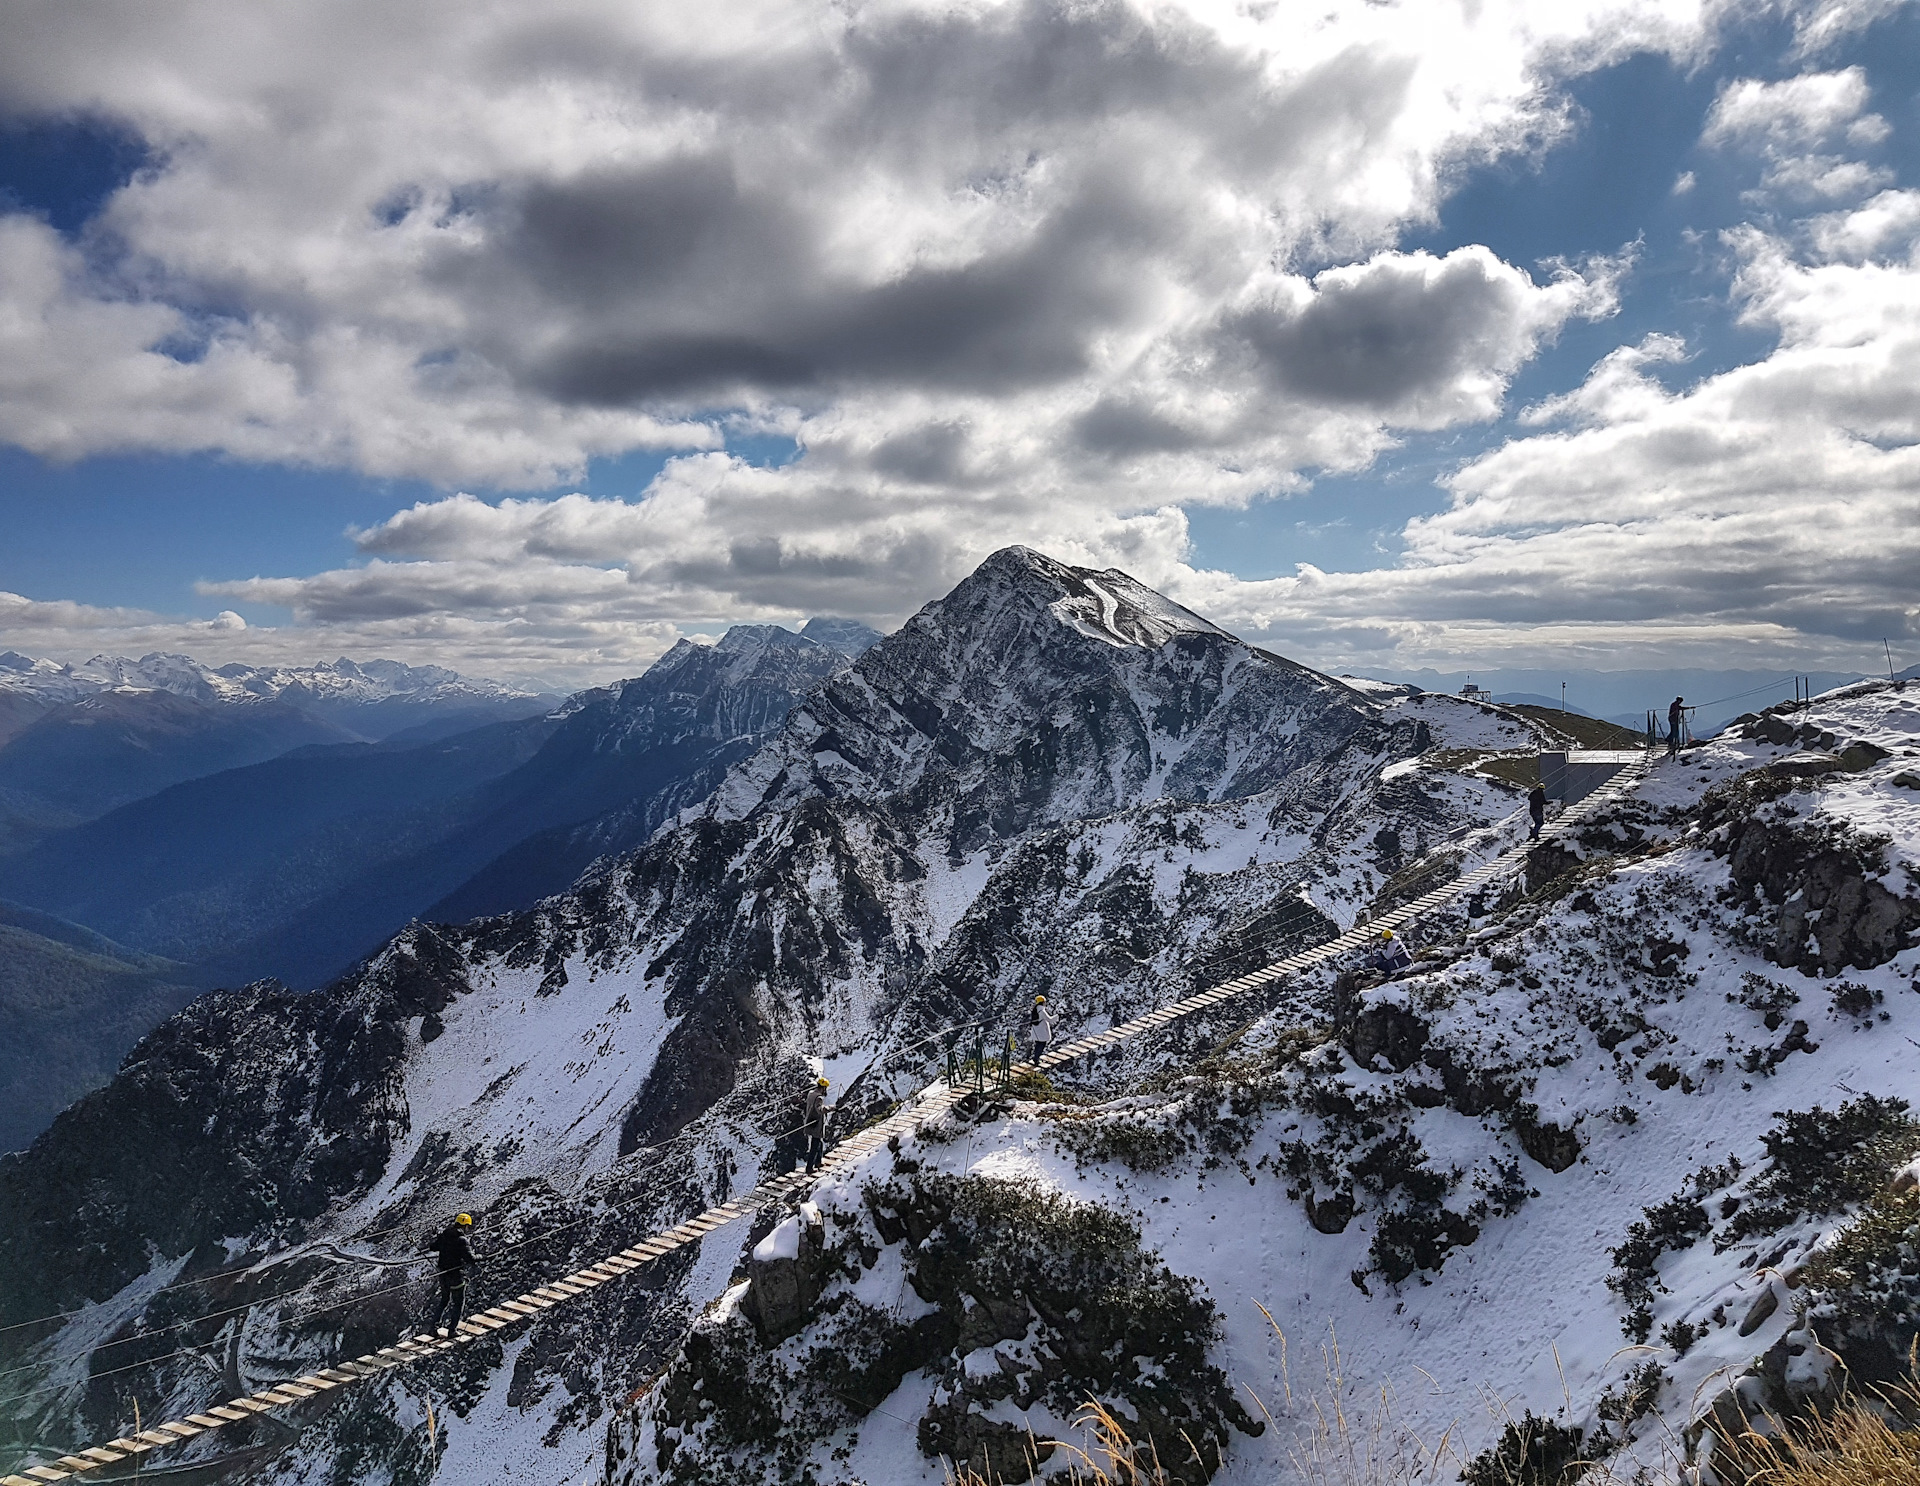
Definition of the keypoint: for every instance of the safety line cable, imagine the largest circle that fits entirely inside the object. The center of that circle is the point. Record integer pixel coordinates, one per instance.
(287, 1255)
(1302, 914)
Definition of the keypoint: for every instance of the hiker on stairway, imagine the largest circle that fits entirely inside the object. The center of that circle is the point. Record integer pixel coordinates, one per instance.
(1676, 720)
(455, 1254)
(1537, 808)
(1039, 1031)
(813, 1122)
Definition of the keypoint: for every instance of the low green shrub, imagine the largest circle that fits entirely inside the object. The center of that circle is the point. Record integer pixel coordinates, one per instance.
(1533, 1452)
(1821, 1162)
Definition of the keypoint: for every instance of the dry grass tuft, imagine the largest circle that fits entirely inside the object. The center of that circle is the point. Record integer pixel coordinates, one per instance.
(1860, 1442)
(1110, 1456)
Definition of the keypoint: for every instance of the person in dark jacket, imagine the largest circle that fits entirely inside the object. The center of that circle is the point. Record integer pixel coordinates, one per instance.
(1676, 719)
(813, 1123)
(1537, 808)
(454, 1254)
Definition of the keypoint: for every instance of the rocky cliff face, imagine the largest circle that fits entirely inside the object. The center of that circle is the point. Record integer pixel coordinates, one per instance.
(1050, 779)
(632, 756)
(1615, 1151)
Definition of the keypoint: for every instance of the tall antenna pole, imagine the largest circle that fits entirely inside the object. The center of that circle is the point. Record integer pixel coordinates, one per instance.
(1889, 649)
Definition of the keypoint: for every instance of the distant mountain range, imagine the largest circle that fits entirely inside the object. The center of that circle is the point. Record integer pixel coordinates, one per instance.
(77, 741)
(296, 865)
(369, 699)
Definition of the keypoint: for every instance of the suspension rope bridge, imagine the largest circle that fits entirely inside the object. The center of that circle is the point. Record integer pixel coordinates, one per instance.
(932, 1102)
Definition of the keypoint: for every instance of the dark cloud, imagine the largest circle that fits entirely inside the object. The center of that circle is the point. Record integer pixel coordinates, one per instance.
(1119, 427)
(682, 232)
(932, 454)
(711, 277)
(657, 319)
(1385, 333)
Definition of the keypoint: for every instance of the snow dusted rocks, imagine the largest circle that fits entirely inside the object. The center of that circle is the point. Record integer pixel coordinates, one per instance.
(996, 1304)
(783, 1272)
(372, 698)
(1598, 1115)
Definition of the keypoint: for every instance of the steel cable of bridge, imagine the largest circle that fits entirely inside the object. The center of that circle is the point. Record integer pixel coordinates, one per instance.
(755, 1200)
(1303, 914)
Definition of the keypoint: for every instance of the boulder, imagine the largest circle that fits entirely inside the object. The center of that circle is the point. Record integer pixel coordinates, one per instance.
(991, 1449)
(1387, 1030)
(1862, 755)
(1764, 1305)
(1805, 764)
(1834, 912)
(1553, 1146)
(1330, 1214)
(1772, 729)
(782, 1275)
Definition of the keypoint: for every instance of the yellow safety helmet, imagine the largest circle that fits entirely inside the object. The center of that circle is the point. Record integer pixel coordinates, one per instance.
(1386, 933)
(463, 1220)
(824, 1083)
(1039, 1000)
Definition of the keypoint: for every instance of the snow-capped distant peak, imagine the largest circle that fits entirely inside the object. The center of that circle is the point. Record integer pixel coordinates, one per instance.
(849, 636)
(372, 698)
(343, 679)
(752, 639)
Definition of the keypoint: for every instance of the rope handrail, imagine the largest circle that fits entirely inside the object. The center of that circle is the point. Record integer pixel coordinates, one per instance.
(931, 1102)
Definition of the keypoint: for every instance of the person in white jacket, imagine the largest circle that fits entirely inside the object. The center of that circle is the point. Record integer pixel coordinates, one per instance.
(1039, 1031)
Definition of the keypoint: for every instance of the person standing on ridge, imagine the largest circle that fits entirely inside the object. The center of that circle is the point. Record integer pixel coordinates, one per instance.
(1537, 808)
(1676, 719)
(454, 1254)
(813, 1123)
(1039, 1031)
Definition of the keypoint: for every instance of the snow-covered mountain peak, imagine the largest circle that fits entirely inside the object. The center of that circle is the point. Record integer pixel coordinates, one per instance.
(1110, 606)
(1038, 692)
(748, 645)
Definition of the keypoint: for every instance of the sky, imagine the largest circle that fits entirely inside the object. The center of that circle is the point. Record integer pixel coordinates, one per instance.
(1394, 337)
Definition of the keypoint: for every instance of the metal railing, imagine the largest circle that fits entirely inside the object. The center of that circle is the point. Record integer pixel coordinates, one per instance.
(973, 1069)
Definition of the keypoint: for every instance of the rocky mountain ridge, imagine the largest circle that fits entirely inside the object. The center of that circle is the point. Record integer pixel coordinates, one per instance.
(1051, 778)
(299, 865)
